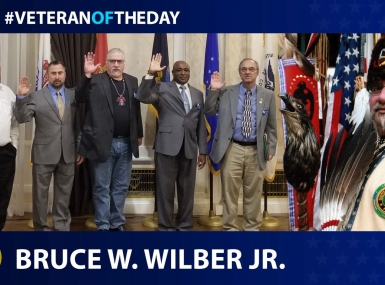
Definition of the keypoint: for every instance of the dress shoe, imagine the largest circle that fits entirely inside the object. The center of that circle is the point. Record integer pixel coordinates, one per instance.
(121, 228)
(102, 230)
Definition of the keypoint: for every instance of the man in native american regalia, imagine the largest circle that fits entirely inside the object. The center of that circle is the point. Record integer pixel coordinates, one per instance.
(366, 211)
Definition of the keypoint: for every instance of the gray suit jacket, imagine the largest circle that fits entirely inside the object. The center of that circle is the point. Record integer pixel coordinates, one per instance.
(175, 126)
(225, 103)
(52, 135)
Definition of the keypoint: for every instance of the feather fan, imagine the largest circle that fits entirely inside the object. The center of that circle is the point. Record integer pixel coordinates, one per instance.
(344, 170)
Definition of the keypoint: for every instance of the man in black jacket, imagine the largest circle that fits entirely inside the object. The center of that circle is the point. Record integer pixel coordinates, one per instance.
(112, 132)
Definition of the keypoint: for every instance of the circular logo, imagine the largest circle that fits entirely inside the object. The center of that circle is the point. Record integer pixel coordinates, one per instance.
(379, 201)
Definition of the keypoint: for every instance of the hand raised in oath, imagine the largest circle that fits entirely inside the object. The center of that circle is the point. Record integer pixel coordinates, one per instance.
(24, 87)
(215, 83)
(89, 64)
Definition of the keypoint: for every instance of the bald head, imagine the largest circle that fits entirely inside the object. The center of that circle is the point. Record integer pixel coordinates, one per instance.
(181, 72)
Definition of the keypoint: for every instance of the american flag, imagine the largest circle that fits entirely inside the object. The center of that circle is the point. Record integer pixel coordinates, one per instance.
(340, 103)
(343, 84)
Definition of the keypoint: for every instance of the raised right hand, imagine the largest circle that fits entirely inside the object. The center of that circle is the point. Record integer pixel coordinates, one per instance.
(215, 83)
(24, 86)
(155, 63)
(89, 65)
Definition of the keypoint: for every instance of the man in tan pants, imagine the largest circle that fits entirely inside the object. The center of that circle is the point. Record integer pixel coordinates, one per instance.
(246, 112)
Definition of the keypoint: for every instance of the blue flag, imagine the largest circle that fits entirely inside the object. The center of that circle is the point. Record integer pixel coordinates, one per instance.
(211, 65)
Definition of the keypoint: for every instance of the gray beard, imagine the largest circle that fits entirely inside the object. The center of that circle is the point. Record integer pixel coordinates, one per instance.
(380, 127)
(383, 121)
(116, 74)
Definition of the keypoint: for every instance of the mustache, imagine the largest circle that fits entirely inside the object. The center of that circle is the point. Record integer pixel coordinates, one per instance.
(378, 106)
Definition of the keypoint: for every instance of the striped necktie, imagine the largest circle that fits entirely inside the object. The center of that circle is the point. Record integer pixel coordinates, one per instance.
(60, 105)
(246, 122)
(186, 103)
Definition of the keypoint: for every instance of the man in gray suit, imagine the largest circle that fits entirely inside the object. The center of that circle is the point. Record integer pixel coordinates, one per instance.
(246, 112)
(181, 132)
(53, 149)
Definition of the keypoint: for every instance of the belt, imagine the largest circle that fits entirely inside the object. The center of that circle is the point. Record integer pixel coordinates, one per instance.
(245, 143)
(119, 137)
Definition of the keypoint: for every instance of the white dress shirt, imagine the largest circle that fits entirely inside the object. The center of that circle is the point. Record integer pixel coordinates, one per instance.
(187, 91)
(9, 128)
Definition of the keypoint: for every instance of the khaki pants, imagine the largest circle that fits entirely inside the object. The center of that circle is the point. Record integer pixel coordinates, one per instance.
(240, 169)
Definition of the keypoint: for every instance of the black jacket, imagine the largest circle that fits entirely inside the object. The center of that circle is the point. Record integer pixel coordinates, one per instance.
(96, 138)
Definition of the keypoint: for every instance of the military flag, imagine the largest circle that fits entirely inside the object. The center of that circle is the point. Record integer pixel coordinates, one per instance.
(267, 77)
(101, 50)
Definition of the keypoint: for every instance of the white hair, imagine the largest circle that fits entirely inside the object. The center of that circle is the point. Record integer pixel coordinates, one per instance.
(115, 50)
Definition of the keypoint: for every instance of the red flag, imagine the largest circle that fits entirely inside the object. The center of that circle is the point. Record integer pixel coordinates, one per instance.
(101, 51)
(303, 87)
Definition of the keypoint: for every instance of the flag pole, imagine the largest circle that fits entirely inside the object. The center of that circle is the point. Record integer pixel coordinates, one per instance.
(211, 220)
(269, 80)
(211, 64)
(159, 46)
(152, 222)
(49, 221)
(268, 221)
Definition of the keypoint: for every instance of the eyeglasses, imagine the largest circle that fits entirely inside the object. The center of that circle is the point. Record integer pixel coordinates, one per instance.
(251, 69)
(112, 61)
(375, 89)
